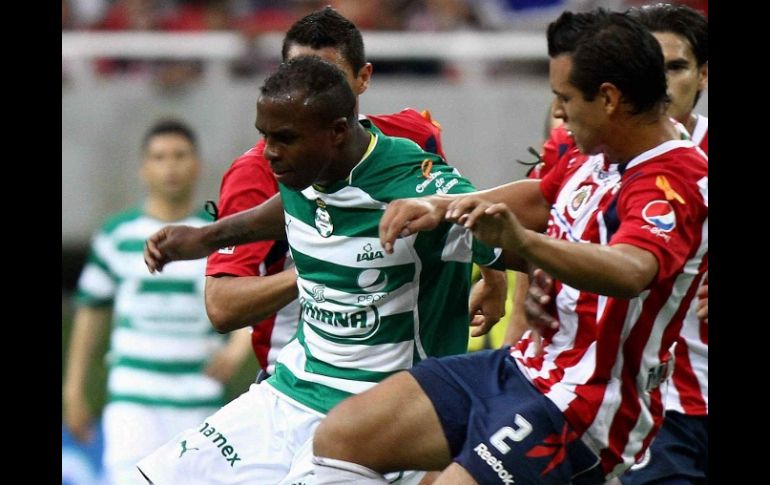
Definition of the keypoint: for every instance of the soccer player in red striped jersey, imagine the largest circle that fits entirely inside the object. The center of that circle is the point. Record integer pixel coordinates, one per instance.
(627, 242)
(255, 284)
(680, 451)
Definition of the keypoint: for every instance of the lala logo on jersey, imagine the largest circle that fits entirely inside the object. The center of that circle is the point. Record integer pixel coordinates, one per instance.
(660, 214)
(227, 250)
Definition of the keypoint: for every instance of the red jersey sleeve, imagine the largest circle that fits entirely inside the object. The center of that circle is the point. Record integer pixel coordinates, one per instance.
(417, 126)
(553, 179)
(559, 142)
(664, 212)
(247, 183)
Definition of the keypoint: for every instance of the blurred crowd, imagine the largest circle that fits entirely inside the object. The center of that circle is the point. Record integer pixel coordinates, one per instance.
(254, 17)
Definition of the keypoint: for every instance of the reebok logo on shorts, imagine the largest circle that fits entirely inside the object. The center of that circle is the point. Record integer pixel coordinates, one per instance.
(221, 441)
(495, 464)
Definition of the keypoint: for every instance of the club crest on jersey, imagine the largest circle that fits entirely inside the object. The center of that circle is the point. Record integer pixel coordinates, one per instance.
(660, 214)
(323, 221)
(318, 293)
(579, 198)
(369, 254)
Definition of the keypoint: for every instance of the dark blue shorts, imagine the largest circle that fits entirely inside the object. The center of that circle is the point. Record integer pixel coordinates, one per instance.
(679, 454)
(500, 428)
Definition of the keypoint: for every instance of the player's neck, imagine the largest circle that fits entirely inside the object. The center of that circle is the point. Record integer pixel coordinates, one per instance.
(690, 123)
(350, 155)
(166, 210)
(639, 136)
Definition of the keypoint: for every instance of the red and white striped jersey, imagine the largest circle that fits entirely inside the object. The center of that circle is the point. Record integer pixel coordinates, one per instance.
(688, 389)
(604, 365)
(700, 133)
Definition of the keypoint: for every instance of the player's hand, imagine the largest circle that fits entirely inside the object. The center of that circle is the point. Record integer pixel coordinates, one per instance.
(702, 307)
(78, 418)
(173, 243)
(493, 224)
(486, 304)
(538, 296)
(404, 217)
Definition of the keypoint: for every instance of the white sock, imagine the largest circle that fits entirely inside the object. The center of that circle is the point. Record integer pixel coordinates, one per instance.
(329, 471)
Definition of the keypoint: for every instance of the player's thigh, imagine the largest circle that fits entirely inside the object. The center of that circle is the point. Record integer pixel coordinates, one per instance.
(251, 440)
(455, 475)
(392, 426)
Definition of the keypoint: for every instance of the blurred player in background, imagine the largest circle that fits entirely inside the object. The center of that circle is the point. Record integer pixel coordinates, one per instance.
(166, 364)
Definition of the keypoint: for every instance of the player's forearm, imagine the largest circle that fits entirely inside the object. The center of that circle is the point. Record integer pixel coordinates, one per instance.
(88, 329)
(524, 199)
(621, 271)
(237, 302)
(517, 324)
(264, 222)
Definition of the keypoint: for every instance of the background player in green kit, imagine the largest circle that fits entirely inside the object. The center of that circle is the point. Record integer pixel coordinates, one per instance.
(166, 365)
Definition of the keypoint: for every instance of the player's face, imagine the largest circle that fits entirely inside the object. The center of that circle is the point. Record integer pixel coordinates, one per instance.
(683, 75)
(171, 167)
(300, 148)
(584, 119)
(358, 81)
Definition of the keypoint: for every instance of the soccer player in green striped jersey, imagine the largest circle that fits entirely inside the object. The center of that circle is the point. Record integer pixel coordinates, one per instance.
(166, 365)
(364, 314)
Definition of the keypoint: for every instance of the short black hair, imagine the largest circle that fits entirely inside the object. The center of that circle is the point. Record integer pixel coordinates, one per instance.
(564, 32)
(323, 84)
(327, 28)
(170, 126)
(680, 20)
(613, 48)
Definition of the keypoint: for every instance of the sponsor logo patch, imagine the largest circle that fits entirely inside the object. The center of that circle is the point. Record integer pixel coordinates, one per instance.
(660, 214)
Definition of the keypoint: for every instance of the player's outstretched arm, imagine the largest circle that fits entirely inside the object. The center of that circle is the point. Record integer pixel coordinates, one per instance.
(173, 243)
(620, 270)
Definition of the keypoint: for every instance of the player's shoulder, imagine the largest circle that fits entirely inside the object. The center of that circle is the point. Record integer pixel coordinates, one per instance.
(251, 165)
(418, 126)
(114, 221)
(678, 168)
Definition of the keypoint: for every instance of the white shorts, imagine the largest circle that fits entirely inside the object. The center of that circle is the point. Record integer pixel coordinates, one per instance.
(261, 437)
(131, 431)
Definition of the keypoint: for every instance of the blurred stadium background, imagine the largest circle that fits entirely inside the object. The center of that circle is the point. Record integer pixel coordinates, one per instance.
(480, 67)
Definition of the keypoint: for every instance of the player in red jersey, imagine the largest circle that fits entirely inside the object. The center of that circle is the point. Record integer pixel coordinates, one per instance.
(249, 283)
(627, 242)
(680, 450)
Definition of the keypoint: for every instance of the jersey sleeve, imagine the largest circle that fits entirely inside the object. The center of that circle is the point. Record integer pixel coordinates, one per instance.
(664, 214)
(246, 184)
(552, 181)
(97, 283)
(458, 244)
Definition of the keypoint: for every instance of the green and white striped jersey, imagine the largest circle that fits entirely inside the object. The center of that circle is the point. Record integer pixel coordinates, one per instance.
(161, 337)
(366, 314)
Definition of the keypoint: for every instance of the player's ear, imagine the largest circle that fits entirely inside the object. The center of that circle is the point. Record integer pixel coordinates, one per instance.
(703, 76)
(610, 96)
(340, 128)
(363, 76)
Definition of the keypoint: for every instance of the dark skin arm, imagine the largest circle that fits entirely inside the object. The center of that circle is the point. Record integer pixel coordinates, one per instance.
(173, 243)
(234, 302)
